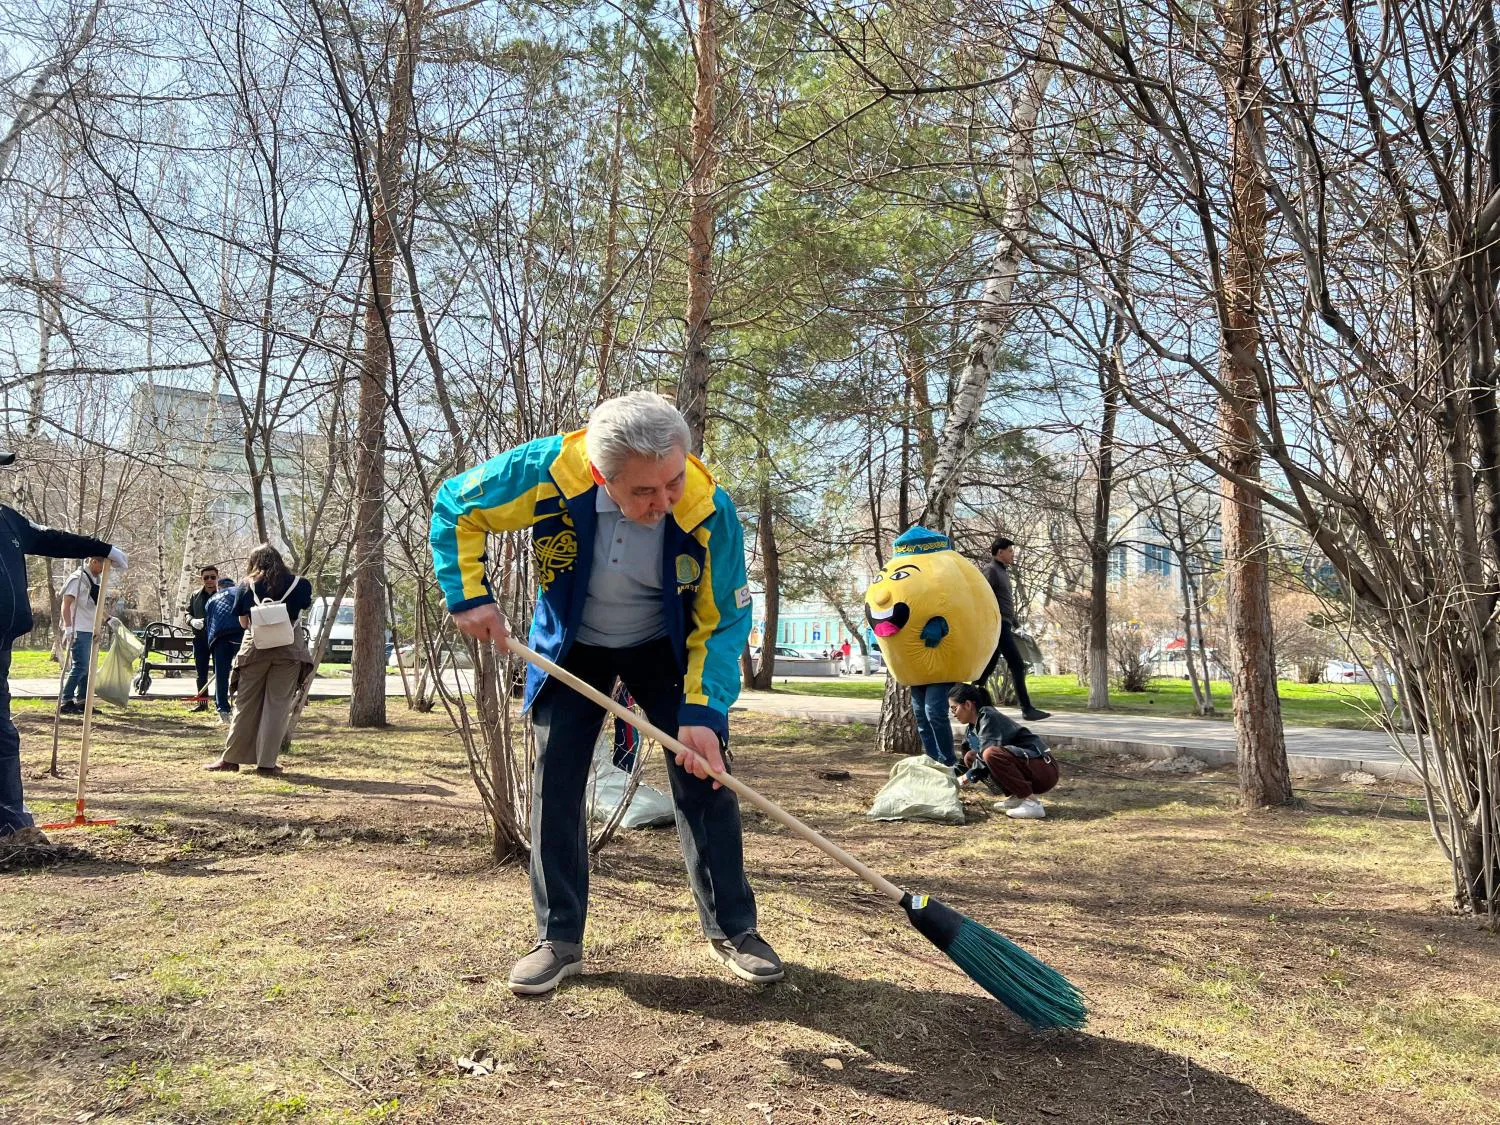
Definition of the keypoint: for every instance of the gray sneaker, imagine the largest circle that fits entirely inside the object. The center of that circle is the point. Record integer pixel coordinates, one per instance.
(544, 968)
(748, 957)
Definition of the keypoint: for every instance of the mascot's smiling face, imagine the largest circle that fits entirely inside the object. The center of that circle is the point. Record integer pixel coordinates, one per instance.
(933, 614)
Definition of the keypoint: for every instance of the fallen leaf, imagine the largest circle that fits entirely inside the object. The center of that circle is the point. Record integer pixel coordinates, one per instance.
(834, 1064)
(639, 1074)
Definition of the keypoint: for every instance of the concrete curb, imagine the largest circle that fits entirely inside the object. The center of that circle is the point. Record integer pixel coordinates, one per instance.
(1301, 765)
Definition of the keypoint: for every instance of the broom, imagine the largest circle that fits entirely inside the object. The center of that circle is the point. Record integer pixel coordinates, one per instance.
(1031, 988)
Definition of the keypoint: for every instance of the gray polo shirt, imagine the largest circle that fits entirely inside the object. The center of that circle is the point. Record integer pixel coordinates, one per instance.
(623, 607)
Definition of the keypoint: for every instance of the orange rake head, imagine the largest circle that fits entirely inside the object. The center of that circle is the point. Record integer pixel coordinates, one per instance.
(79, 821)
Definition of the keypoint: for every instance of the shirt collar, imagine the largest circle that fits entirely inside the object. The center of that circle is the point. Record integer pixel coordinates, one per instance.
(603, 503)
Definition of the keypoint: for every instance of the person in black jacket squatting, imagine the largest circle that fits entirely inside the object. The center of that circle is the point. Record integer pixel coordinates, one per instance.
(20, 537)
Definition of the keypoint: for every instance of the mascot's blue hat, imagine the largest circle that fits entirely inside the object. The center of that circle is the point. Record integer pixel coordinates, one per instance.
(918, 540)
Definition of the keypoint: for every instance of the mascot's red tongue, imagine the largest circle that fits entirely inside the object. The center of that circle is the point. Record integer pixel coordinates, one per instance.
(886, 628)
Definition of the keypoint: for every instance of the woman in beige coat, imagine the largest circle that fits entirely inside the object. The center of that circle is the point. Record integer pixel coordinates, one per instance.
(265, 681)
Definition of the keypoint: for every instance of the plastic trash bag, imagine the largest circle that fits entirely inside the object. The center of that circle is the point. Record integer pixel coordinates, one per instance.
(649, 808)
(1031, 652)
(116, 670)
(919, 789)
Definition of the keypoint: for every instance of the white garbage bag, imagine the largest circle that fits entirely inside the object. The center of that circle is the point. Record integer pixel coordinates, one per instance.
(117, 667)
(919, 789)
(649, 808)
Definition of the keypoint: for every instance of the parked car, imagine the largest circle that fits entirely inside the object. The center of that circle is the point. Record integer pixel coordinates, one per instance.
(340, 646)
(792, 662)
(1345, 672)
(874, 663)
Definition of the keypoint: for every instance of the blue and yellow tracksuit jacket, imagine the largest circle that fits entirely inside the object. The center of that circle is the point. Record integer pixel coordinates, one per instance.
(546, 485)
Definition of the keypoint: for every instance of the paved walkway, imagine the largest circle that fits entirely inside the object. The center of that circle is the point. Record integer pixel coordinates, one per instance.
(163, 687)
(1311, 751)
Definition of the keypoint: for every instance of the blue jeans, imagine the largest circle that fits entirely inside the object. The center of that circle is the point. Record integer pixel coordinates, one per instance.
(13, 814)
(224, 650)
(929, 703)
(77, 684)
(708, 819)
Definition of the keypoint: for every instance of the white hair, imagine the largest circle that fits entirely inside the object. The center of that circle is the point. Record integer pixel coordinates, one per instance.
(641, 423)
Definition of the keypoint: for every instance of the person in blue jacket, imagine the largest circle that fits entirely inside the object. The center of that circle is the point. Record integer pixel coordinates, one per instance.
(223, 633)
(641, 564)
(20, 537)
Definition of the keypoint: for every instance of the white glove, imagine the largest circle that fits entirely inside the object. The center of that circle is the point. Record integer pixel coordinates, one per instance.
(119, 558)
(196, 623)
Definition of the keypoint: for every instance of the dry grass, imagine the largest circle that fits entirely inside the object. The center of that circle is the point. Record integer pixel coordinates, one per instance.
(320, 947)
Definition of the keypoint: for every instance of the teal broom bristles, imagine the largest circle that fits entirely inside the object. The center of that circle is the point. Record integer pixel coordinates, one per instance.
(1028, 986)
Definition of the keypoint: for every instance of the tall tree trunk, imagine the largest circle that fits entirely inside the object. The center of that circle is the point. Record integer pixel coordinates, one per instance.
(367, 686)
(608, 317)
(198, 527)
(1203, 700)
(692, 393)
(770, 564)
(995, 313)
(1263, 773)
(1099, 537)
(897, 732)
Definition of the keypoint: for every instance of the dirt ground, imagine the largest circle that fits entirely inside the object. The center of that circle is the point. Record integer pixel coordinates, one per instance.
(323, 946)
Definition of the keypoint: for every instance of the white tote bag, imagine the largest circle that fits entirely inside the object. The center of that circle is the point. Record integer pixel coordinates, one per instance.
(270, 624)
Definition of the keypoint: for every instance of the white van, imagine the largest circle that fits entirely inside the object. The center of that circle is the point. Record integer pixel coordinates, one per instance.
(340, 647)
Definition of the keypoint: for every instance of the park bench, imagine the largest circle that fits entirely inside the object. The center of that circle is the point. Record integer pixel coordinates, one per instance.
(169, 650)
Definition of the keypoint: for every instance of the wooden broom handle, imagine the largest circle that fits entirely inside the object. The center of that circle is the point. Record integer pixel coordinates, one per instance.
(88, 697)
(729, 781)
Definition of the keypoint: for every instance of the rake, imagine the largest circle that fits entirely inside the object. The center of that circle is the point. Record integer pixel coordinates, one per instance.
(80, 816)
(1029, 987)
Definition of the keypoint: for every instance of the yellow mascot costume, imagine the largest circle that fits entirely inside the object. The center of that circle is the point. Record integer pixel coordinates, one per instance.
(933, 614)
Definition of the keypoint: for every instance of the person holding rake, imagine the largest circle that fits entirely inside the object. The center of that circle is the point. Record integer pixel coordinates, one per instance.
(641, 565)
(20, 537)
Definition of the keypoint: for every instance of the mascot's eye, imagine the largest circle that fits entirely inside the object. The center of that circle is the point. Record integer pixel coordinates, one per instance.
(904, 572)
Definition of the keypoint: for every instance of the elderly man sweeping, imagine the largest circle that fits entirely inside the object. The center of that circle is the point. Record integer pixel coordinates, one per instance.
(641, 565)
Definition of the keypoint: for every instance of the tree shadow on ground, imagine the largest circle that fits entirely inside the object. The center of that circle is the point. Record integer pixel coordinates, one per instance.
(964, 1053)
(366, 786)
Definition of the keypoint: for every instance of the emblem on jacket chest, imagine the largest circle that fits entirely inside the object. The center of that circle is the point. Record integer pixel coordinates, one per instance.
(554, 553)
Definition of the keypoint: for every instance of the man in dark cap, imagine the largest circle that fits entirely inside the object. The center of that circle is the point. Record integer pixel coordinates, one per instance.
(20, 537)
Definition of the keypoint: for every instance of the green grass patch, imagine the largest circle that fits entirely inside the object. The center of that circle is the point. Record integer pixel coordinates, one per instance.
(33, 663)
(1349, 706)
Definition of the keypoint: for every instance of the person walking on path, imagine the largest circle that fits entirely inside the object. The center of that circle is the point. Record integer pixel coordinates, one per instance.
(195, 613)
(641, 565)
(222, 624)
(80, 603)
(1004, 753)
(997, 574)
(845, 649)
(265, 680)
(20, 537)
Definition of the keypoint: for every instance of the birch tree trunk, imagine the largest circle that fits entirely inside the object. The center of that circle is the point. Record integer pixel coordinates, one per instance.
(367, 671)
(692, 393)
(39, 102)
(995, 312)
(198, 527)
(1263, 774)
(897, 732)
